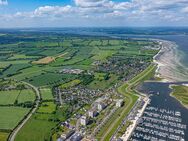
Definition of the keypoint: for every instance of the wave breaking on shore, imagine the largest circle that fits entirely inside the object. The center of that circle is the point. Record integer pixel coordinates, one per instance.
(169, 67)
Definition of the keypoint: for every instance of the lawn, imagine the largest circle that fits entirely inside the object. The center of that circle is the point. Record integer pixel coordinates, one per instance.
(46, 94)
(11, 116)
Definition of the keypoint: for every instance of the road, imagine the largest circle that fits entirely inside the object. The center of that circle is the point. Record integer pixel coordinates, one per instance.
(17, 129)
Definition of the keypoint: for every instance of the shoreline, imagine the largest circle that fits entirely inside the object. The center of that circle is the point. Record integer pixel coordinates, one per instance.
(169, 67)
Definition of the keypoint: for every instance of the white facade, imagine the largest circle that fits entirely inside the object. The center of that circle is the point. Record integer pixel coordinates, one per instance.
(92, 113)
(84, 120)
(100, 106)
(119, 103)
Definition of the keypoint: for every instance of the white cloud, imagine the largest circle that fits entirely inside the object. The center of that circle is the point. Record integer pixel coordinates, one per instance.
(185, 9)
(3, 2)
(150, 12)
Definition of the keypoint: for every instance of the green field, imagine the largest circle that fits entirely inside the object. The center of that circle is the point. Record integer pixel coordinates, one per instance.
(35, 130)
(181, 94)
(3, 136)
(47, 107)
(46, 94)
(9, 97)
(11, 116)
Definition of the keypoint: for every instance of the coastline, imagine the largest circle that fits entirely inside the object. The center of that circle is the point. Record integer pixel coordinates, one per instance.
(168, 63)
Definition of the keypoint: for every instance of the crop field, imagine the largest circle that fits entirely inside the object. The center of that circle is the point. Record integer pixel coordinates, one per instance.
(4, 136)
(36, 130)
(46, 94)
(44, 61)
(11, 116)
(9, 97)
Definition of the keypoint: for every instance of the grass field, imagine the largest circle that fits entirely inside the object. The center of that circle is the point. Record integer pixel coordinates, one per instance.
(103, 84)
(47, 107)
(3, 136)
(11, 116)
(70, 84)
(46, 94)
(26, 95)
(181, 94)
(49, 79)
(9, 97)
(35, 130)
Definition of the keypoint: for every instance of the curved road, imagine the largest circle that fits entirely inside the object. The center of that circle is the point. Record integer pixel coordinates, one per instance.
(17, 129)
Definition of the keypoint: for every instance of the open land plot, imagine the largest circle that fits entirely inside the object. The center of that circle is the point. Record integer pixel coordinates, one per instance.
(46, 94)
(11, 116)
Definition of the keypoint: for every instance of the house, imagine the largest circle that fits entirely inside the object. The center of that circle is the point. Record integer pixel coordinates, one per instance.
(84, 121)
(119, 103)
(92, 113)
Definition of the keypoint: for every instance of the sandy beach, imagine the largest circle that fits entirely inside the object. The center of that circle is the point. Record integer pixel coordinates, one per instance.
(168, 63)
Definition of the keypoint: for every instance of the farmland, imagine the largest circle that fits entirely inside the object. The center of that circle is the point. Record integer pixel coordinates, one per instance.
(70, 72)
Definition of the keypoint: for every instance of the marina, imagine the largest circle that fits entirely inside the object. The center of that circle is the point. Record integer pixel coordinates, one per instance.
(162, 121)
(160, 124)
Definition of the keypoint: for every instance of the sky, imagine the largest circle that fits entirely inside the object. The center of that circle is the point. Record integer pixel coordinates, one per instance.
(93, 13)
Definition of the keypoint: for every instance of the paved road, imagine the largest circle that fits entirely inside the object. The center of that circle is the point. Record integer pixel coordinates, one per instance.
(16, 130)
